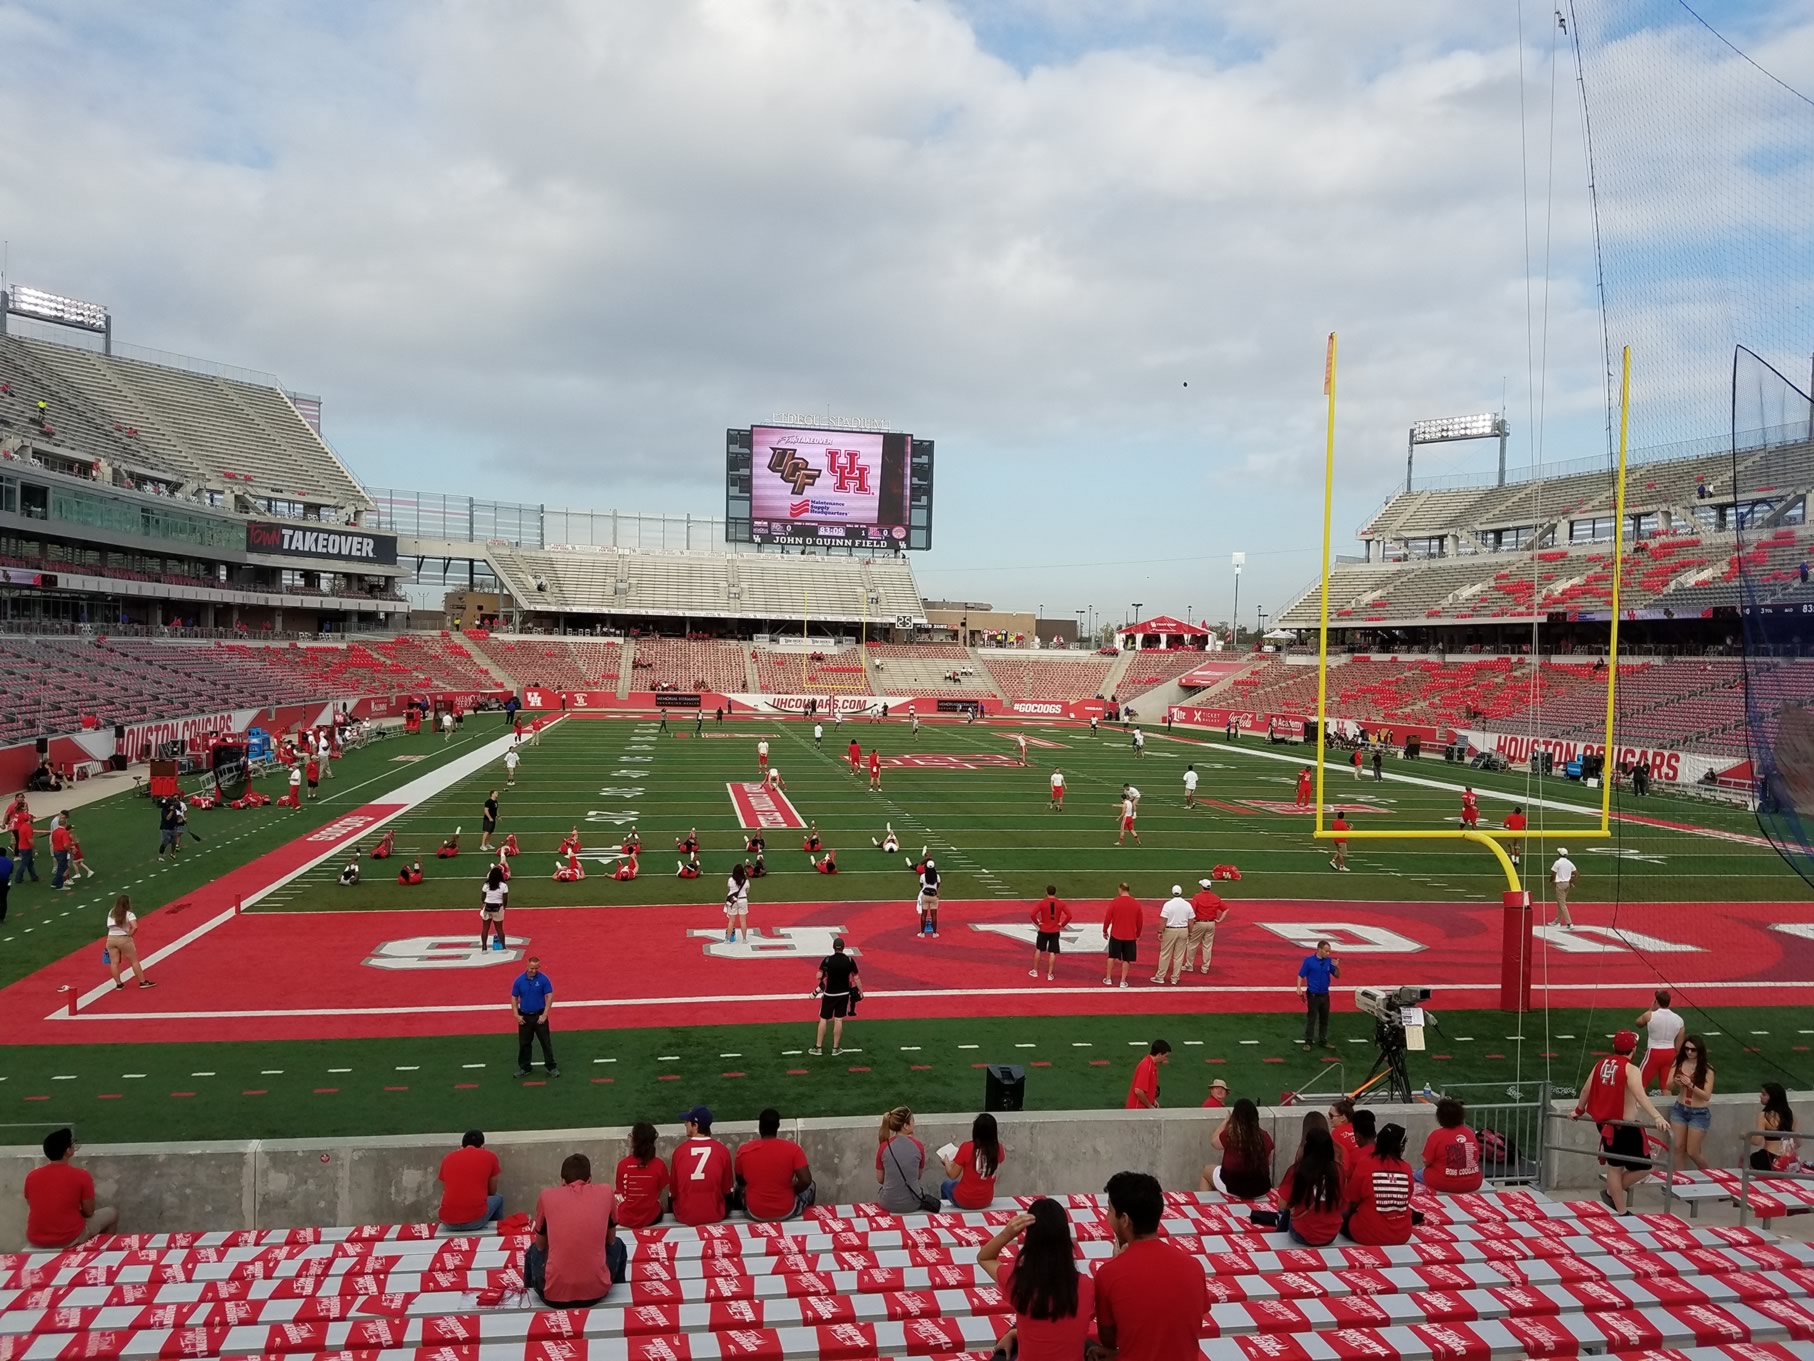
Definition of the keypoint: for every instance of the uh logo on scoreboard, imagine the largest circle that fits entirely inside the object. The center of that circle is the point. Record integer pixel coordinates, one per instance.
(850, 474)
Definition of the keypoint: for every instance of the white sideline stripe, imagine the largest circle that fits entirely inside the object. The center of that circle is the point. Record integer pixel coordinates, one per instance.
(415, 791)
(606, 1003)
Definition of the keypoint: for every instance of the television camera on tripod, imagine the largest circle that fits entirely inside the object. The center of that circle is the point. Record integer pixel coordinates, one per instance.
(1398, 1025)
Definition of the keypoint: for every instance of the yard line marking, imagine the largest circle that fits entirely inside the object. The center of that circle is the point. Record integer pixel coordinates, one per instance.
(1026, 1046)
(262, 1072)
(340, 1070)
(201, 1075)
(1085, 1044)
(1193, 1042)
(472, 1065)
(132, 1075)
(969, 1046)
(666, 1058)
(1243, 1042)
(63, 1077)
(910, 1049)
(409, 1067)
(730, 1056)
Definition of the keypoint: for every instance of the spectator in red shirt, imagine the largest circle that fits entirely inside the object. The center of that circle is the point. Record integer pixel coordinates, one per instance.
(1341, 1129)
(1218, 1096)
(1049, 921)
(1310, 1194)
(1339, 861)
(1143, 1091)
(640, 1180)
(773, 1178)
(1054, 1305)
(1451, 1155)
(703, 1178)
(1151, 1296)
(1245, 1171)
(1210, 910)
(469, 1186)
(1515, 821)
(970, 1175)
(576, 1253)
(59, 1198)
(24, 856)
(1122, 924)
(1379, 1192)
(60, 842)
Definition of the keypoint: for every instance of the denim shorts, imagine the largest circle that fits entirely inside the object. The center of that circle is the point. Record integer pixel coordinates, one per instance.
(1694, 1117)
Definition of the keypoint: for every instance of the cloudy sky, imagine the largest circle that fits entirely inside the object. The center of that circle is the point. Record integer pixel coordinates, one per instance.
(549, 251)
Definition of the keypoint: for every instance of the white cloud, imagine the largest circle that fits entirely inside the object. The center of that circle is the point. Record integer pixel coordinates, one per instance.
(549, 252)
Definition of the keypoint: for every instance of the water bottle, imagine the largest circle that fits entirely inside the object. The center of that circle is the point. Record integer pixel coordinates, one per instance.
(1427, 1093)
(106, 956)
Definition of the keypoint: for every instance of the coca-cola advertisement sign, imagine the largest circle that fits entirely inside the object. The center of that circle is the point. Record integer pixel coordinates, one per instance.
(326, 543)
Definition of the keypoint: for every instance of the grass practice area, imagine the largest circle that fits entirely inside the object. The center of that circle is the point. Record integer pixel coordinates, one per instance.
(957, 788)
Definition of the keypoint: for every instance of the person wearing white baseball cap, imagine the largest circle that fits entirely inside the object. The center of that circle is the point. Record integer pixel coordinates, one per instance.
(1175, 918)
(1563, 875)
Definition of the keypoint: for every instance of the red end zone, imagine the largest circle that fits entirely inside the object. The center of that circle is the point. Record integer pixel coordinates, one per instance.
(420, 973)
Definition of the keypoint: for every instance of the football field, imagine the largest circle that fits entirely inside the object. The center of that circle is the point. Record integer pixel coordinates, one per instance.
(289, 1005)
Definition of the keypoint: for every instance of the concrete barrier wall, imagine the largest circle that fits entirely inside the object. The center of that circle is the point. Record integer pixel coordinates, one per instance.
(317, 1182)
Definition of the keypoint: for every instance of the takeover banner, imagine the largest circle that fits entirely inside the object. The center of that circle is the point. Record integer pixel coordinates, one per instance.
(303, 540)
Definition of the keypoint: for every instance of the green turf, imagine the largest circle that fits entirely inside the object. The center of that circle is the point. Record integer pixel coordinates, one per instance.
(996, 839)
(221, 1090)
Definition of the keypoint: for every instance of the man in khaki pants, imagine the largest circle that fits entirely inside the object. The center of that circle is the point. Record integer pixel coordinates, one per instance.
(1175, 920)
(1208, 909)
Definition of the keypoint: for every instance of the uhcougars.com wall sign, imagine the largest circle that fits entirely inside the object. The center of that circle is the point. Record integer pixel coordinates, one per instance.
(324, 542)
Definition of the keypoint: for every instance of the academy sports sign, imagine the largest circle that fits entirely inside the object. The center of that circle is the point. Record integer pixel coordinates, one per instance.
(301, 540)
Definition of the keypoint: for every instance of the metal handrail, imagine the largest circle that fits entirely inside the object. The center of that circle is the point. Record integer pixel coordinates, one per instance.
(1599, 1153)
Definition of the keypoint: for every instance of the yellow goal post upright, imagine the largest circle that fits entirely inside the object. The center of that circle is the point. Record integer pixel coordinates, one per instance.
(1515, 971)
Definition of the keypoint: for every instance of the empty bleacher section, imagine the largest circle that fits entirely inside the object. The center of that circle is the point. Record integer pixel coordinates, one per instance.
(1504, 1274)
(690, 664)
(930, 669)
(1685, 573)
(761, 586)
(812, 672)
(1147, 671)
(1692, 705)
(51, 683)
(193, 429)
(1036, 676)
(559, 663)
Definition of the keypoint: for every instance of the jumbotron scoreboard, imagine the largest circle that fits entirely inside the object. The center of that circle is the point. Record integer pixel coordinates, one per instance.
(797, 485)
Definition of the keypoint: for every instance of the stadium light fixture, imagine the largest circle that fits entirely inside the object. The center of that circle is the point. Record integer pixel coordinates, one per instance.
(1234, 617)
(26, 301)
(1448, 429)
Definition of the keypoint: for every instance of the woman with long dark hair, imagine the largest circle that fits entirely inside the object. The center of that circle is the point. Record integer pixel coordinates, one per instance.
(1379, 1192)
(1773, 1154)
(970, 1175)
(1691, 1079)
(640, 1180)
(1245, 1171)
(1310, 1196)
(1054, 1306)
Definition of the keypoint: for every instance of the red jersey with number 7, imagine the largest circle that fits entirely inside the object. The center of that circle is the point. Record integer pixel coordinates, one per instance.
(701, 1178)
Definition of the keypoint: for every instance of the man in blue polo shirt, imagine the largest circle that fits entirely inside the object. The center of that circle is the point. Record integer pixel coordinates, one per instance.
(1314, 976)
(532, 998)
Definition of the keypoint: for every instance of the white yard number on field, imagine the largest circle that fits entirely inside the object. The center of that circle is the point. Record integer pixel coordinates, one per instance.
(1601, 940)
(777, 942)
(443, 952)
(612, 791)
(1345, 938)
(615, 816)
